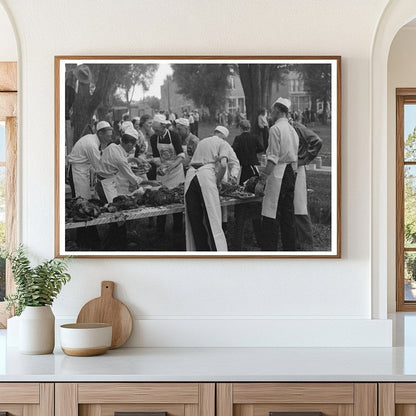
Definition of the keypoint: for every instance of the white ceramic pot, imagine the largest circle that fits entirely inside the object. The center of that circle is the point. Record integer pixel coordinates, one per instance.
(37, 330)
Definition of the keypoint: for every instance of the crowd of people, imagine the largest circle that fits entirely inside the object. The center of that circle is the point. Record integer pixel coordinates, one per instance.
(165, 150)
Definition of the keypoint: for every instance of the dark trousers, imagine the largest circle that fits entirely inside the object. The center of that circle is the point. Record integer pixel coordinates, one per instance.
(285, 217)
(265, 135)
(198, 217)
(243, 214)
(177, 222)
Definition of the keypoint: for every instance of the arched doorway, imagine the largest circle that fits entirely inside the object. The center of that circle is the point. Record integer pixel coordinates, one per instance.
(395, 16)
(8, 151)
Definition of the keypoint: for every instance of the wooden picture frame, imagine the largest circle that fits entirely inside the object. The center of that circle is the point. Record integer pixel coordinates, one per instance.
(215, 91)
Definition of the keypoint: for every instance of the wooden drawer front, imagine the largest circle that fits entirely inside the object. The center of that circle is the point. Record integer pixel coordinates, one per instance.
(405, 393)
(397, 399)
(104, 399)
(111, 409)
(27, 399)
(19, 393)
(332, 399)
(251, 393)
(138, 393)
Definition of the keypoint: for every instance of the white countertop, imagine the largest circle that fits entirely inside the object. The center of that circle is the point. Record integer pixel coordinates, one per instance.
(215, 364)
(222, 364)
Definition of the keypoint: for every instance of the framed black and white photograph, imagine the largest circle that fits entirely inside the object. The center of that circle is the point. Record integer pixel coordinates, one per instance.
(198, 156)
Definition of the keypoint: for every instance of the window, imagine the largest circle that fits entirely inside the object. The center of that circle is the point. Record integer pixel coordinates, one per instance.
(231, 82)
(406, 199)
(2, 206)
(8, 166)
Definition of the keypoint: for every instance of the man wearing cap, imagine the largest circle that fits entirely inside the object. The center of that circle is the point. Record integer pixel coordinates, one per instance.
(114, 169)
(189, 140)
(202, 201)
(277, 180)
(85, 156)
(168, 155)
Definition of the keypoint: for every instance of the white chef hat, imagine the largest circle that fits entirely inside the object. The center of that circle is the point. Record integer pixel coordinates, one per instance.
(103, 125)
(130, 131)
(182, 121)
(223, 130)
(283, 101)
(160, 118)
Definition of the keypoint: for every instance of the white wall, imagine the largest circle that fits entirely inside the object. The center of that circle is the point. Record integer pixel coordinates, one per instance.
(203, 302)
(8, 46)
(401, 74)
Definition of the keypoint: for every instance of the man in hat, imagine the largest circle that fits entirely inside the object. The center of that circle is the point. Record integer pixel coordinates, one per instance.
(189, 140)
(168, 156)
(85, 156)
(114, 169)
(202, 201)
(277, 181)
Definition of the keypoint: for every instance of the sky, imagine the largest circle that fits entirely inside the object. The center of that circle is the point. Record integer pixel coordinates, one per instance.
(163, 71)
(409, 119)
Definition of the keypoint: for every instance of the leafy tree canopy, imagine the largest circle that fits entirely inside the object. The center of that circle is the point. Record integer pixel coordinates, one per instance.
(204, 84)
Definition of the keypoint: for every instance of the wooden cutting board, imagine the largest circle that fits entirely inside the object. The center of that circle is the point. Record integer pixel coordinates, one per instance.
(108, 310)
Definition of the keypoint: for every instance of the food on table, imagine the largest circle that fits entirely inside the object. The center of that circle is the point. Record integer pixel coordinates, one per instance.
(80, 209)
(228, 188)
(163, 196)
(250, 184)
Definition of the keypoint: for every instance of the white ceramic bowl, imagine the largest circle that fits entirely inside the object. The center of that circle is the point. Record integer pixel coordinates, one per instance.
(84, 340)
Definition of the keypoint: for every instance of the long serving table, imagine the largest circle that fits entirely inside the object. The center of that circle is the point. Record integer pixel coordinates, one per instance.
(146, 212)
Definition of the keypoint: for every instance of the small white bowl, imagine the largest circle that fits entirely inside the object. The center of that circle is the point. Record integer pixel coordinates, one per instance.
(83, 340)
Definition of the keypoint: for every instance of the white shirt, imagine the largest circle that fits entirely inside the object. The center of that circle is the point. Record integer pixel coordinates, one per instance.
(114, 161)
(211, 150)
(283, 143)
(233, 166)
(86, 151)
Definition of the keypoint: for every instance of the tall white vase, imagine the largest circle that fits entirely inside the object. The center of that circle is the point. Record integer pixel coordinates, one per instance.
(37, 330)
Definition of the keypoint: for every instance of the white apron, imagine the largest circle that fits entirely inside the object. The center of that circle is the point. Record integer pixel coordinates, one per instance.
(167, 156)
(110, 188)
(300, 200)
(272, 191)
(81, 177)
(208, 182)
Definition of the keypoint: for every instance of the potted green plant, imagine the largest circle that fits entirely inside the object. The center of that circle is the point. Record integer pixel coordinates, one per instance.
(36, 289)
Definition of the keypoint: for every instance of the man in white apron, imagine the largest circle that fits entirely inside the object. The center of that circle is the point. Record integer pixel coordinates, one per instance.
(114, 169)
(168, 156)
(278, 181)
(202, 201)
(309, 146)
(85, 156)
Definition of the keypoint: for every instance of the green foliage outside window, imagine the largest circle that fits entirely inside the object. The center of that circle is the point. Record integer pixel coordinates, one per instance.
(410, 205)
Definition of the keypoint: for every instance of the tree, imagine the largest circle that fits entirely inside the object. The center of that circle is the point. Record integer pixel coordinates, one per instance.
(410, 191)
(132, 75)
(204, 84)
(153, 102)
(98, 99)
(317, 81)
(257, 80)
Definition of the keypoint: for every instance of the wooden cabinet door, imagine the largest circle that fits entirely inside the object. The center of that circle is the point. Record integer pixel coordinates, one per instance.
(397, 399)
(143, 399)
(26, 399)
(297, 399)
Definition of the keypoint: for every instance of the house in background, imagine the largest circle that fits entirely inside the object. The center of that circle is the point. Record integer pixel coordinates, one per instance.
(171, 100)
